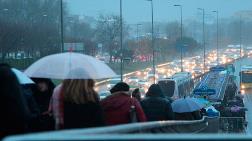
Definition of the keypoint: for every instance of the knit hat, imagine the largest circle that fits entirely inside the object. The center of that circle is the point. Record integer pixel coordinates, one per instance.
(121, 86)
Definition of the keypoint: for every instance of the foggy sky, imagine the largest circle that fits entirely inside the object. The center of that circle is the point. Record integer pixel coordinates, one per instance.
(135, 11)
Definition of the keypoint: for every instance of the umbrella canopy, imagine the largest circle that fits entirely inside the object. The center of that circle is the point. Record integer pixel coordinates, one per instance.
(203, 101)
(184, 105)
(69, 66)
(22, 78)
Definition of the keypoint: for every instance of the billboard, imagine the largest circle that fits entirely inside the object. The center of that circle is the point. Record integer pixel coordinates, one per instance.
(74, 47)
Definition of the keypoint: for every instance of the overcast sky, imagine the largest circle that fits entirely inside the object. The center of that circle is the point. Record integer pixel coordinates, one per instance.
(135, 11)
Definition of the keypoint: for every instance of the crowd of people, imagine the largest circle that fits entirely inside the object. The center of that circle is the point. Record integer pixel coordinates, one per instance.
(74, 104)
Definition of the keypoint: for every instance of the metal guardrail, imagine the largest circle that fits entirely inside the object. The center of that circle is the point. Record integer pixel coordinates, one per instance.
(232, 125)
(156, 127)
(141, 137)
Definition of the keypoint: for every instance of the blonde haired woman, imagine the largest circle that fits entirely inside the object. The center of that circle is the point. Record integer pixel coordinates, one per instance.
(75, 104)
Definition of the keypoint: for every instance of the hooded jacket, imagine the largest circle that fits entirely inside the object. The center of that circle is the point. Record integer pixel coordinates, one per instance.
(156, 107)
(116, 108)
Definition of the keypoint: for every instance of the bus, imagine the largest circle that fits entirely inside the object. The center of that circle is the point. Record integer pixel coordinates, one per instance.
(246, 77)
(179, 85)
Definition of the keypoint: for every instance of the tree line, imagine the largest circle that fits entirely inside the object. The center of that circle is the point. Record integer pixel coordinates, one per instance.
(34, 27)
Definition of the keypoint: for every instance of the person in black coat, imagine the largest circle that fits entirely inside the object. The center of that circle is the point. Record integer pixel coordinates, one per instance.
(14, 110)
(32, 104)
(42, 92)
(156, 107)
(136, 94)
(82, 108)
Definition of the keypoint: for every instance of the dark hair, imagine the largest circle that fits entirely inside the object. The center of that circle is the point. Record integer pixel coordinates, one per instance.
(8, 80)
(136, 94)
(121, 86)
(12, 103)
(48, 82)
(136, 90)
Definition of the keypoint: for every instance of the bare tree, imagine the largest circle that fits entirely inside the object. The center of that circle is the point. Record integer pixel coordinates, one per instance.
(108, 33)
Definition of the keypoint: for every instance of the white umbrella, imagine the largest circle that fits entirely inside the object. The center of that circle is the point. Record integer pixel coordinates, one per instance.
(69, 66)
(22, 78)
(183, 105)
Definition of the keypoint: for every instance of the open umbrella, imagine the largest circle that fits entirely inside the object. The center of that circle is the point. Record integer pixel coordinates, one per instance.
(22, 78)
(184, 105)
(203, 101)
(69, 66)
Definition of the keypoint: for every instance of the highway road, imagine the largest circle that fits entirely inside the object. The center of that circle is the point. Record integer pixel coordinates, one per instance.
(248, 93)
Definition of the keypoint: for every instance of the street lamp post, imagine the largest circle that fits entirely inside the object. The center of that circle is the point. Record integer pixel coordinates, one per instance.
(240, 36)
(181, 35)
(240, 49)
(138, 45)
(121, 41)
(217, 34)
(61, 25)
(152, 42)
(204, 43)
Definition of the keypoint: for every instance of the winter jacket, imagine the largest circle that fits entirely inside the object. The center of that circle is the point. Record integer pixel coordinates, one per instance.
(43, 98)
(157, 108)
(82, 115)
(116, 108)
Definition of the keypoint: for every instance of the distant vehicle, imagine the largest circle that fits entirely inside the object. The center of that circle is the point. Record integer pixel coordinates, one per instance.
(112, 82)
(246, 77)
(143, 83)
(104, 94)
(150, 76)
(133, 79)
(179, 85)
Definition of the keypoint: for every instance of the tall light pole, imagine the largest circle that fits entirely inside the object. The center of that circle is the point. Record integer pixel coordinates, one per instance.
(138, 45)
(121, 41)
(203, 39)
(152, 42)
(217, 36)
(181, 35)
(240, 49)
(61, 26)
(240, 36)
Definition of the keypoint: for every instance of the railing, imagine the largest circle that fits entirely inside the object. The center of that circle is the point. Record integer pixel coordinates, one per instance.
(156, 127)
(232, 125)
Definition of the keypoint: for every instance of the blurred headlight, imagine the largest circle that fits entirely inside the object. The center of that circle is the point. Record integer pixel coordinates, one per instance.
(242, 91)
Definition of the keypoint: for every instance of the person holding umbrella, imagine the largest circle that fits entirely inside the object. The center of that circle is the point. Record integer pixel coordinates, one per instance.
(42, 92)
(187, 109)
(75, 104)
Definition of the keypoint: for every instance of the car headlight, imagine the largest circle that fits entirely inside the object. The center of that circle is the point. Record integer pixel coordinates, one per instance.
(242, 86)
(108, 85)
(242, 91)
